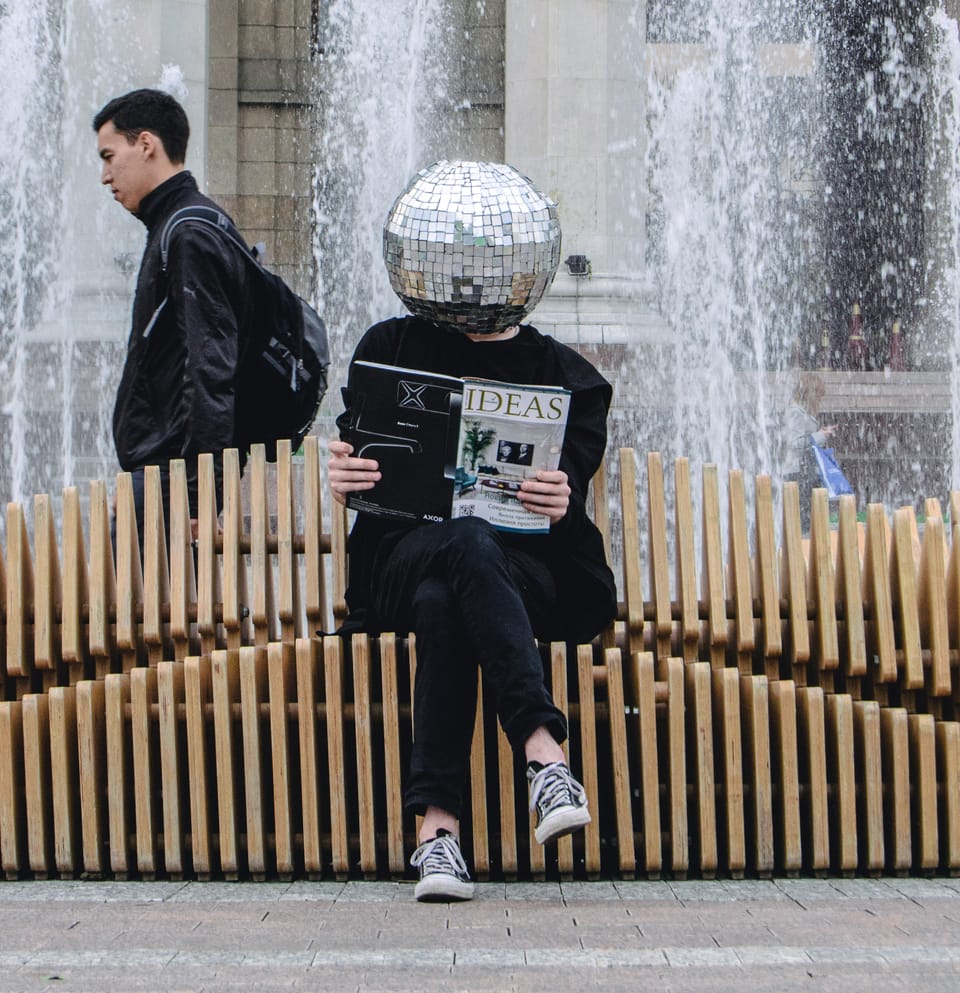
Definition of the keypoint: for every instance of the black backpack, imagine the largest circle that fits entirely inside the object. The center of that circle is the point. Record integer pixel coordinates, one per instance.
(282, 374)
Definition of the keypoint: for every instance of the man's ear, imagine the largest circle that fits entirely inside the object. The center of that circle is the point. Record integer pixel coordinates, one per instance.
(150, 145)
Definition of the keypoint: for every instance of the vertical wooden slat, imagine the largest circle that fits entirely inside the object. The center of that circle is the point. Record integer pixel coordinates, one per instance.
(143, 701)
(289, 598)
(632, 584)
(948, 772)
(120, 782)
(659, 555)
(509, 847)
(19, 595)
(479, 819)
(156, 573)
(391, 752)
(280, 664)
(904, 587)
(601, 517)
(786, 775)
(850, 591)
(75, 585)
(711, 582)
(766, 576)
(932, 603)
(813, 751)
(171, 730)
(129, 574)
(842, 774)
(729, 748)
(620, 765)
(308, 695)
(866, 725)
(64, 782)
(739, 571)
(47, 606)
(13, 812)
(679, 840)
(755, 712)
(233, 563)
(253, 692)
(953, 584)
(588, 758)
(183, 575)
(700, 752)
(895, 740)
(197, 695)
(645, 706)
(334, 699)
(338, 561)
(315, 586)
(877, 594)
(92, 765)
(208, 573)
(822, 588)
(686, 563)
(36, 762)
(360, 648)
(103, 581)
(923, 775)
(225, 683)
(793, 583)
(261, 562)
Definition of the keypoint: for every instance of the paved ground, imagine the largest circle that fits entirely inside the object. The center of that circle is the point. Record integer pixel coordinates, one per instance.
(777, 936)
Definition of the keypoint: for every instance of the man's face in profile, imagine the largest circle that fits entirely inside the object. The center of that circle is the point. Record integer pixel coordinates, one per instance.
(126, 166)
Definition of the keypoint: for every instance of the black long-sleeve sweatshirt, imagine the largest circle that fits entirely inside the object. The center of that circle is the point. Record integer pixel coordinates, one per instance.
(573, 548)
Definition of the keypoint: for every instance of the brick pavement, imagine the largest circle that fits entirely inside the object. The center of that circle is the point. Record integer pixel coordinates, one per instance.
(683, 937)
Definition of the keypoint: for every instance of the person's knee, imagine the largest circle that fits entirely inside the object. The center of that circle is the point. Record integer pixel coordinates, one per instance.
(433, 598)
(473, 540)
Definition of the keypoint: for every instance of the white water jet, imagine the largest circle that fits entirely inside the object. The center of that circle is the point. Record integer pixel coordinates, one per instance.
(943, 164)
(726, 168)
(383, 104)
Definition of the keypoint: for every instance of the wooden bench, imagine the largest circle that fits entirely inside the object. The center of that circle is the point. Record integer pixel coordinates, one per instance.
(766, 702)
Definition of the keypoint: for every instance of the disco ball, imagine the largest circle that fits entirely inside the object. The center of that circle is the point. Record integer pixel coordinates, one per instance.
(472, 244)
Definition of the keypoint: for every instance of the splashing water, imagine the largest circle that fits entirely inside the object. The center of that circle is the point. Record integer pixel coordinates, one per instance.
(944, 168)
(385, 93)
(728, 240)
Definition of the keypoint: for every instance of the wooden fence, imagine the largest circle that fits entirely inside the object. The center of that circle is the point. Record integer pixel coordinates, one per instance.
(762, 707)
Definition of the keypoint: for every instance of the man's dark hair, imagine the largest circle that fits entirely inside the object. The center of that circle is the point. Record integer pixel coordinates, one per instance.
(153, 111)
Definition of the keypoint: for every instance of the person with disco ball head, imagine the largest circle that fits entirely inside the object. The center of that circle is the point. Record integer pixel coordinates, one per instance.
(470, 248)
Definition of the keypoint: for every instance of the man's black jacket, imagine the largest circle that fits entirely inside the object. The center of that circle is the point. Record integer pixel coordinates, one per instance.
(177, 391)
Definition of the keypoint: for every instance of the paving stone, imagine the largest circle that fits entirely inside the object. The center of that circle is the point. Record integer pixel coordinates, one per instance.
(827, 936)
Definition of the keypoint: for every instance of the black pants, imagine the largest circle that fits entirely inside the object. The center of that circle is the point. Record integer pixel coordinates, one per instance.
(471, 600)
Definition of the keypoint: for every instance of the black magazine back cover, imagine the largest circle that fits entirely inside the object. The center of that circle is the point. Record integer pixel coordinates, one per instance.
(408, 420)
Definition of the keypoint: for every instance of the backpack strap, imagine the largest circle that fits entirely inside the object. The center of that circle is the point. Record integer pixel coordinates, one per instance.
(203, 215)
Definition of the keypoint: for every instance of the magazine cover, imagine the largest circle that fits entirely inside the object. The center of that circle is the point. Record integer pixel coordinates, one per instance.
(507, 433)
(408, 421)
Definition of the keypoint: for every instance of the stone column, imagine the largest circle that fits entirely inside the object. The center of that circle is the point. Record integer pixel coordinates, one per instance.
(575, 99)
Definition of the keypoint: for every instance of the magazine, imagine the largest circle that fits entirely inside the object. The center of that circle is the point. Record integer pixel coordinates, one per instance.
(408, 421)
(507, 433)
(448, 447)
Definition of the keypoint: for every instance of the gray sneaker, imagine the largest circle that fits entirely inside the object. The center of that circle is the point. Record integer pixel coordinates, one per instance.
(443, 873)
(559, 800)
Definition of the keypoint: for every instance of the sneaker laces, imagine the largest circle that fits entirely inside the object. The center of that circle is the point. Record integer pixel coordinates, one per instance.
(553, 785)
(441, 854)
